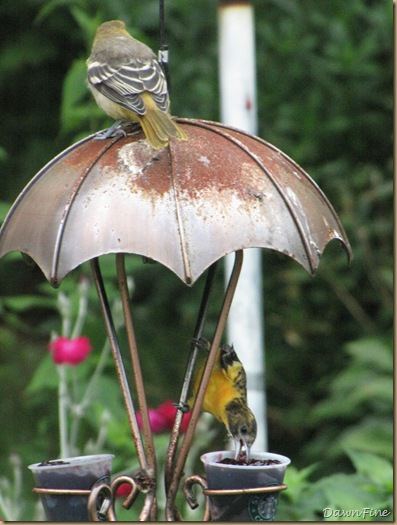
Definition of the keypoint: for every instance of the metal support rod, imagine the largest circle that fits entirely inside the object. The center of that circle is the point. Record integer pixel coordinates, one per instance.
(178, 470)
(118, 362)
(188, 376)
(238, 492)
(162, 23)
(138, 378)
(198, 330)
(136, 366)
(163, 51)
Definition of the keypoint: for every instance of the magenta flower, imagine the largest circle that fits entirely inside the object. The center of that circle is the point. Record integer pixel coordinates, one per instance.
(70, 351)
(157, 421)
(162, 418)
(123, 490)
(168, 411)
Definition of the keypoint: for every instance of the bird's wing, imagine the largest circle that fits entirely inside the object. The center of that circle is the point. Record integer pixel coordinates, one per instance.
(233, 369)
(125, 83)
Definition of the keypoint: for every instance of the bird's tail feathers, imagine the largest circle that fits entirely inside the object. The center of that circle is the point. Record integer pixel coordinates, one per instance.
(159, 127)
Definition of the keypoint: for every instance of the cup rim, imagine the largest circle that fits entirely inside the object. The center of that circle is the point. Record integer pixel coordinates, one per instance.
(222, 454)
(72, 461)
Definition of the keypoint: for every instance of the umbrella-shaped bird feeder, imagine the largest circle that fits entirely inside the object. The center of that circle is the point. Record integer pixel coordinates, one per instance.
(186, 206)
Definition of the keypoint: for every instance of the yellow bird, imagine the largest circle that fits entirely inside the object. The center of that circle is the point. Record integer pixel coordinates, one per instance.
(129, 85)
(226, 397)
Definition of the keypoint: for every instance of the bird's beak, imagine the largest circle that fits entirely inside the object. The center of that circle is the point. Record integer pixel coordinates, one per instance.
(242, 449)
(247, 450)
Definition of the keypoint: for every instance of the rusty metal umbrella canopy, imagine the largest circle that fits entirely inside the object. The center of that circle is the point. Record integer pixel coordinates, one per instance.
(185, 206)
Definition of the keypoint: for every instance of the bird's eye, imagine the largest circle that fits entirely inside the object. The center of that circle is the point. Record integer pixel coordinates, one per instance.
(244, 429)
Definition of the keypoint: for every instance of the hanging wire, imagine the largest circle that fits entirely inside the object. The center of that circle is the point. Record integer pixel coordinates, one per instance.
(163, 51)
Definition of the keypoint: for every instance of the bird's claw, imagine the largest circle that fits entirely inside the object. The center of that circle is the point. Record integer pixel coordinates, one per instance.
(201, 343)
(112, 132)
(182, 406)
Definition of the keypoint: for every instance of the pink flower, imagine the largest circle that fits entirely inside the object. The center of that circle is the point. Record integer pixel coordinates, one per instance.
(185, 421)
(156, 420)
(70, 351)
(168, 411)
(123, 490)
(162, 418)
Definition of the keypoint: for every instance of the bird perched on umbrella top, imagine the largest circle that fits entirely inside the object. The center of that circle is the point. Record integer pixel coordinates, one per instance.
(129, 85)
(226, 397)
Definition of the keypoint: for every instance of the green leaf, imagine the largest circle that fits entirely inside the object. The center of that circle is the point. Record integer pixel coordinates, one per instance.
(44, 377)
(372, 352)
(21, 303)
(4, 209)
(297, 480)
(377, 468)
(373, 435)
(88, 24)
(347, 492)
(74, 107)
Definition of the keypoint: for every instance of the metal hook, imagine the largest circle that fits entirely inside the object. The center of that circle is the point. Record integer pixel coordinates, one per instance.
(100, 503)
(191, 497)
(103, 496)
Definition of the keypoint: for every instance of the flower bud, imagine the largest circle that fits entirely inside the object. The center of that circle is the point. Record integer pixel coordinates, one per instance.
(70, 351)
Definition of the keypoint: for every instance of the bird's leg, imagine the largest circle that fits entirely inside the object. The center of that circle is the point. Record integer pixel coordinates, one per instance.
(111, 132)
(201, 343)
(184, 407)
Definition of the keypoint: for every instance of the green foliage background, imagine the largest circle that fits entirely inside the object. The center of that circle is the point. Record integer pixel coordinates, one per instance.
(324, 74)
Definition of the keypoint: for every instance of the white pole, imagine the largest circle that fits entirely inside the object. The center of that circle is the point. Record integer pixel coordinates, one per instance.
(238, 109)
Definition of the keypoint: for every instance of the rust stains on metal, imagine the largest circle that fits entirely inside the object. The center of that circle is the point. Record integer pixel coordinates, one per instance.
(185, 206)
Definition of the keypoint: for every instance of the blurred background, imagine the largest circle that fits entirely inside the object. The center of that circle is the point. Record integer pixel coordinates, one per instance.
(324, 88)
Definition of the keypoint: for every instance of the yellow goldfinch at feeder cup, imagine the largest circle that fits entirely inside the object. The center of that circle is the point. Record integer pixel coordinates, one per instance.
(129, 85)
(226, 397)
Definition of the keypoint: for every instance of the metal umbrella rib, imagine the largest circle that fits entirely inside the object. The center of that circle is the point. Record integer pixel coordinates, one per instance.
(67, 208)
(178, 214)
(313, 256)
(283, 196)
